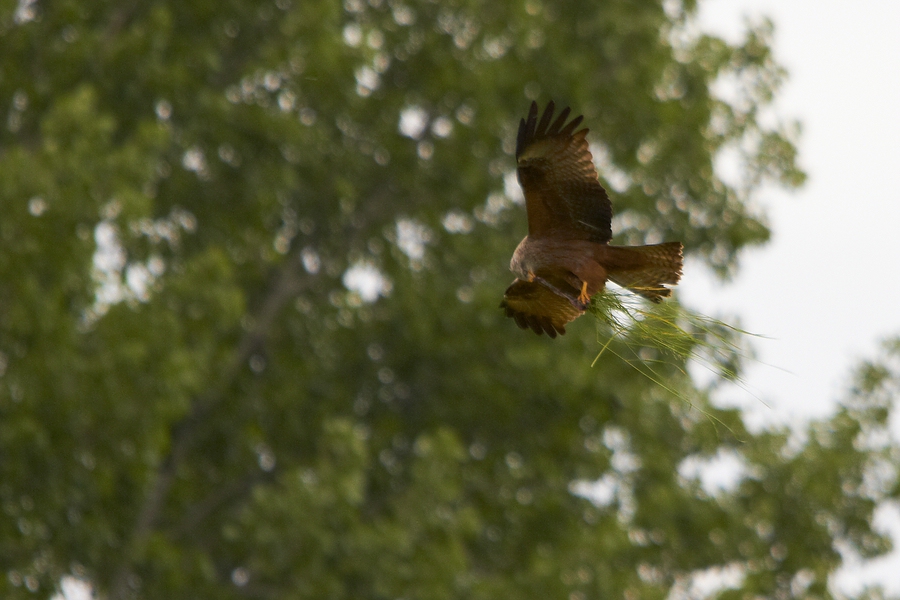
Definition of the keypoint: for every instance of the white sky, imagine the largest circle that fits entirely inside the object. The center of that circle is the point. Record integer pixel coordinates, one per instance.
(826, 289)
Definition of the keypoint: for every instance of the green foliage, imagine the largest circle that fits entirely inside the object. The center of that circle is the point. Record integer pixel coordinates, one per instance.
(193, 404)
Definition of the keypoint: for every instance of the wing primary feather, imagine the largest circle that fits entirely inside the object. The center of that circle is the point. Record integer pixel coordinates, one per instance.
(521, 136)
(530, 129)
(558, 123)
(526, 128)
(545, 120)
(548, 328)
(532, 114)
(571, 126)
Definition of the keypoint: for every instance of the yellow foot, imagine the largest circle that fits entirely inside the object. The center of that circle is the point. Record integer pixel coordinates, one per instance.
(583, 297)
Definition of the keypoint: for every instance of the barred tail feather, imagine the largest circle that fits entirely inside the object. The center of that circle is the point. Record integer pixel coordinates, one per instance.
(646, 270)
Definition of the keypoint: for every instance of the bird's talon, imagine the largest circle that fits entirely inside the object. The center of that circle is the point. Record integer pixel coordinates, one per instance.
(584, 297)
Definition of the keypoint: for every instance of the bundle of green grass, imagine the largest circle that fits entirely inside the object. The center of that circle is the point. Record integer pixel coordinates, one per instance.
(654, 339)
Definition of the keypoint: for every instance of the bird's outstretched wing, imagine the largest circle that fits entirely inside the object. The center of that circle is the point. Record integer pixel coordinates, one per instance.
(544, 305)
(563, 195)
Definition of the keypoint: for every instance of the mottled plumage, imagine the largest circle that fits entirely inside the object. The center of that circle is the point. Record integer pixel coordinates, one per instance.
(566, 257)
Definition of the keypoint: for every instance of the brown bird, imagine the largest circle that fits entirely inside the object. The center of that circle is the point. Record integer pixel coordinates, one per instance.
(566, 257)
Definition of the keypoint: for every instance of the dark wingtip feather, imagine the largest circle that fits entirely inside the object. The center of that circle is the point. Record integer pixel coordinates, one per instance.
(520, 137)
(572, 125)
(545, 120)
(560, 120)
(526, 128)
(530, 129)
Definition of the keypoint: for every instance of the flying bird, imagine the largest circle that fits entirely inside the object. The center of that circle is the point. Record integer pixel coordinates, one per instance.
(566, 257)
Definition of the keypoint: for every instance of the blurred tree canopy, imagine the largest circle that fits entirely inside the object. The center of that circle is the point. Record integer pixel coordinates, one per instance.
(250, 260)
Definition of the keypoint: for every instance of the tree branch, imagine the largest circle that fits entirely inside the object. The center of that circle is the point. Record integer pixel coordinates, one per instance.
(289, 283)
(232, 490)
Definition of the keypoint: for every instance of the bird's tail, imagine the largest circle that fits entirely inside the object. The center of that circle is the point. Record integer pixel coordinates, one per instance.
(645, 269)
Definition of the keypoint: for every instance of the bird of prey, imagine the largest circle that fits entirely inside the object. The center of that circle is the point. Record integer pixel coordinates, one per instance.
(566, 257)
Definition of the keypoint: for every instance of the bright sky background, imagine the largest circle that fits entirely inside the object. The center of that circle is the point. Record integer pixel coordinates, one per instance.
(826, 289)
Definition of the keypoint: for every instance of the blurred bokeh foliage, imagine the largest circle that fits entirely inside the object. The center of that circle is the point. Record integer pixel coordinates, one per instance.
(250, 260)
